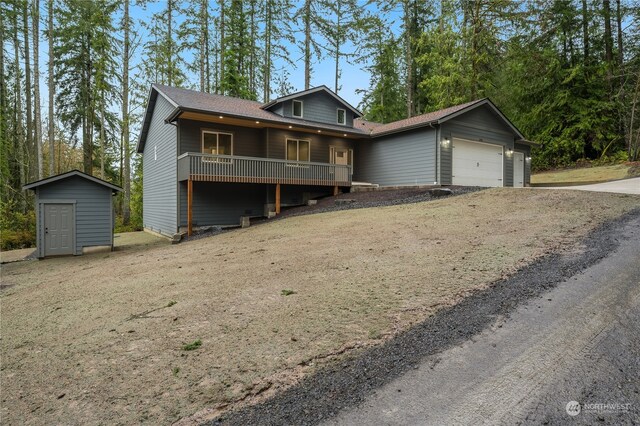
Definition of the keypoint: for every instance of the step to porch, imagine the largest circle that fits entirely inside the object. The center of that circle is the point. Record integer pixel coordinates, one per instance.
(363, 186)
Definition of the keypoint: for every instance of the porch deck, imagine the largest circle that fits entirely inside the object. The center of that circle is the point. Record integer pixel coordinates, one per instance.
(230, 168)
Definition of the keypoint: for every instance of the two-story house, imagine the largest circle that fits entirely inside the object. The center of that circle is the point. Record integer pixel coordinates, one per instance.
(211, 159)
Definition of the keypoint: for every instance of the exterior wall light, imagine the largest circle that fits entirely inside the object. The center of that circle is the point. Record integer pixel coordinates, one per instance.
(445, 142)
(509, 152)
(528, 158)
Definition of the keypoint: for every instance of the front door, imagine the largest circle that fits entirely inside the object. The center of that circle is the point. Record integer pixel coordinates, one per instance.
(341, 157)
(59, 226)
(518, 170)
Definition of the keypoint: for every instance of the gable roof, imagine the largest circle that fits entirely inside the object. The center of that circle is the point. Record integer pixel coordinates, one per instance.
(185, 100)
(62, 176)
(432, 118)
(322, 88)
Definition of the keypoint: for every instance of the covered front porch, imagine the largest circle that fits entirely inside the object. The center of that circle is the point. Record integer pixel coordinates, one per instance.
(208, 180)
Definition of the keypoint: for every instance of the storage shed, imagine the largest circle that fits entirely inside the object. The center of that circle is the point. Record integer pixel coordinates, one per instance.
(73, 211)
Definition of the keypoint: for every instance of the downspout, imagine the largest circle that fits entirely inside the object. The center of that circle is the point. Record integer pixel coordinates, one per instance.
(437, 163)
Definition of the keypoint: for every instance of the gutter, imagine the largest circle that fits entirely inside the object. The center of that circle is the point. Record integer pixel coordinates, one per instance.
(175, 114)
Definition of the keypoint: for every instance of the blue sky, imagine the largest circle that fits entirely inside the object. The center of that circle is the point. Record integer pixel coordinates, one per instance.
(353, 76)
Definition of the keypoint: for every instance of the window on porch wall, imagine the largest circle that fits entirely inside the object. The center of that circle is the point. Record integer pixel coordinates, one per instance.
(217, 143)
(297, 150)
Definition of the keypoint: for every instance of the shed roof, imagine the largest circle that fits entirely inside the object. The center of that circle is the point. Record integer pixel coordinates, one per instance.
(52, 179)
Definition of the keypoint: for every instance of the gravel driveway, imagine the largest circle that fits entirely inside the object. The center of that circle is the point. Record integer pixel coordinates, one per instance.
(517, 352)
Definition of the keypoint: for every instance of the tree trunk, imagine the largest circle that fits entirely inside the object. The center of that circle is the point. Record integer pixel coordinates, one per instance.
(221, 88)
(608, 38)
(254, 48)
(170, 42)
(408, 58)
(207, 65)
(585, 31)
(36, 87)
(126, 173)
(307, 44)
(266, 73)
(102, 135)
(19, 139)
(619, 28)
(337, 47)
(27, 88)
(202, 43)
(52, 88)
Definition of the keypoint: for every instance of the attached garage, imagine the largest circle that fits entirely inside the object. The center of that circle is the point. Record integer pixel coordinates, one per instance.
(477, 164)
(471, 144)
(74, 211)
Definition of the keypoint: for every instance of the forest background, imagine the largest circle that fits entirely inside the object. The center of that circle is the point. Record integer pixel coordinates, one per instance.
(76, 74)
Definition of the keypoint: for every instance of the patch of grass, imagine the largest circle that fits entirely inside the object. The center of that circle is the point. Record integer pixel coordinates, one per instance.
(175, 371)
(192, 346)
(170, 304)
(586, 174)
(287, 292)
(375, 334)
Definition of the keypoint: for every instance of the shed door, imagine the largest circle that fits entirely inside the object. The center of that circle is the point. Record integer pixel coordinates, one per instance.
(59, 227)
(518, 170)
(476, 164)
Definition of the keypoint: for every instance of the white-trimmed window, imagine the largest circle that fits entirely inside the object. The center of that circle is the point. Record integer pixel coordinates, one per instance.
(297, 109)
(298, 150)
(217, 143)
(341, 116)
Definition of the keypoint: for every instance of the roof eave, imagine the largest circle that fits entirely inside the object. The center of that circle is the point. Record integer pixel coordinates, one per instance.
(51, 179)
(405, 128)
(311, 126)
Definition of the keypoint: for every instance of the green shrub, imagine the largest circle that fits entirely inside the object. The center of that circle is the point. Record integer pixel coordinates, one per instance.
(17, 229)
(192, 346)
(131, 227)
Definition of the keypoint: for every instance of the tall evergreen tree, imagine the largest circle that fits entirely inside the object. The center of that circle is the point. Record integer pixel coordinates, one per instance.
(84, 52)
(35, 16)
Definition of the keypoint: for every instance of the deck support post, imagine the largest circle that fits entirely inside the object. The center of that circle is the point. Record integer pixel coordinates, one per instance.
(336, 190)
(189, 206)
(277, 198)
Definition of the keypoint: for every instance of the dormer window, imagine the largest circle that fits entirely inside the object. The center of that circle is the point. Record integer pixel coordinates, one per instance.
(342, 116)
(297, 109)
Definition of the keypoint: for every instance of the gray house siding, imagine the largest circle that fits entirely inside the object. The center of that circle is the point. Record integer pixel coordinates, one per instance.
(526, 150)
(222, 203)
(319, 107)
(319, 145)
(93, 210)
(407, 158)
(159, 164)
(247, 141)
(481, 125)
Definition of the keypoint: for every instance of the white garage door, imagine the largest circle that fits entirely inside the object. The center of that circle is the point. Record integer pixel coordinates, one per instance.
(476, 164)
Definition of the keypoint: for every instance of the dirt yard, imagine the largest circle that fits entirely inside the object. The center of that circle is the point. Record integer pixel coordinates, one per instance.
(102, 338)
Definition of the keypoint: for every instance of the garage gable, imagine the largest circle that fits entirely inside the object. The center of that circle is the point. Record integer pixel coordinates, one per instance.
(485, 117)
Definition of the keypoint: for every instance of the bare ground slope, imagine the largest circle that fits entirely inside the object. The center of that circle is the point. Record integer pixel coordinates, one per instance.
(97, 339)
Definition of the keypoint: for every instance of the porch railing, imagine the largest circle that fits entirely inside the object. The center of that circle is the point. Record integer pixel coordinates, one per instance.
(231, 168)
